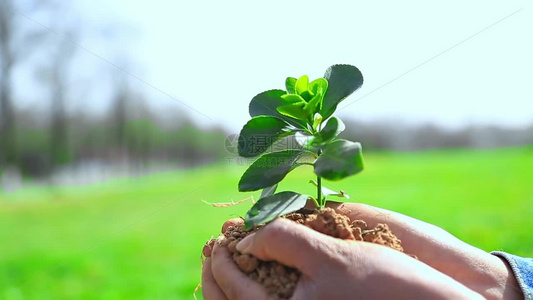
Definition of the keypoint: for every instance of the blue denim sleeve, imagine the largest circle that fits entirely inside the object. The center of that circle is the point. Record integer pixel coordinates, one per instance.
(523, 271)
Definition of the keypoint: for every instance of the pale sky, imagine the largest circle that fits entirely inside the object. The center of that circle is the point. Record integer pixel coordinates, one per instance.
(214, 56)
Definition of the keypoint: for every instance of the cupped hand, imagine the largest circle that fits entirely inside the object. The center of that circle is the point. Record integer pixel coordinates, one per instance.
(472, 267)
(225, 280)
(331, 268)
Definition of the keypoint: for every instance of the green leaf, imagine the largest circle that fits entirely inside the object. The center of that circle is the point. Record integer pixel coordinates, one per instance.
(340, 159)
(290, 85)
(313, 106)
(273, 206)
(295, 111)
(267, 103)
(331, 130)
(318, 86)
(268, 191)
(343, 80)
(302, 84)
(328, 192)
(260, 133)
(268, 170)
(292, 98)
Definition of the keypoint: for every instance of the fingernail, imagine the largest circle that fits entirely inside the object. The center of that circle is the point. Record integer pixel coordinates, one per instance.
(244, 246)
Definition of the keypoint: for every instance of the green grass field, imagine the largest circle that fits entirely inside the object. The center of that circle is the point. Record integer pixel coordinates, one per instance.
(142, 238)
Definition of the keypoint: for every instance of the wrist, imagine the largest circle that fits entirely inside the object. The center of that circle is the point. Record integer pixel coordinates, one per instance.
(494, 279)
(480, 271)
(513, 289)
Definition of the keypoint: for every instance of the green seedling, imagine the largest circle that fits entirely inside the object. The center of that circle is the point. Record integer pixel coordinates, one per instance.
(304, 111)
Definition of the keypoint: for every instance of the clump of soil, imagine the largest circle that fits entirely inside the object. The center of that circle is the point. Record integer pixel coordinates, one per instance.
(279, 280)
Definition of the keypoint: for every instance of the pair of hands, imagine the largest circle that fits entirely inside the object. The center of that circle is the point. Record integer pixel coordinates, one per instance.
(335, 269)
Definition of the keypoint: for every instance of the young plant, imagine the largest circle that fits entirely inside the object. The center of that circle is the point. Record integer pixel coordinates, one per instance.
(304, 111)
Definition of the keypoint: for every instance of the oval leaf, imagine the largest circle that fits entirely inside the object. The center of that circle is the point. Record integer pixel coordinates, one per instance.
(313, 106)
(340, 159)
(268, 170)
(295, 111)
(267, 103)
(260, 133)
(273, 206)
(290, 85)
(342, 81)
(292, 98)
(302, 84)
(331, 130)
(318, 86)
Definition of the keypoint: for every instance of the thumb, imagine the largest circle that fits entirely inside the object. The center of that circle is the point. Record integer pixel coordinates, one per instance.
(291, 244)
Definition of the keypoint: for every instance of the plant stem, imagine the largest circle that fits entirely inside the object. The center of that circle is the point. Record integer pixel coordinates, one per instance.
(316, 203)
(319, 191)
(319, 188)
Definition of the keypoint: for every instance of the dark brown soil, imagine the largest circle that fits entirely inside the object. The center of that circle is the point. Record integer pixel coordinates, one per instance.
(279, 280)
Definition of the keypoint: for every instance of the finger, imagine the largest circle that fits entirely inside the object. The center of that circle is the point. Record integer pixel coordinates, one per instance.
(231, 280)
(231, 222)
(208, 248)
(210, 289)
(293, 245)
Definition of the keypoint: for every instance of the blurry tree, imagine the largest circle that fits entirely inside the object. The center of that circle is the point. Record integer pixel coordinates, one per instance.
(16, 43)
(119, 114)
(127, 103)
(58, 80)
(8, 149)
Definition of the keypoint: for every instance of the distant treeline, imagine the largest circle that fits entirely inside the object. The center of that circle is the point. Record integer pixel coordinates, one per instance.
(389, 135)
(143, 138)
(137, 140)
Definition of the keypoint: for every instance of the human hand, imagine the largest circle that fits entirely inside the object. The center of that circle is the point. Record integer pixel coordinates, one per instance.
(234, 283)
(331, 268)
(472, 267)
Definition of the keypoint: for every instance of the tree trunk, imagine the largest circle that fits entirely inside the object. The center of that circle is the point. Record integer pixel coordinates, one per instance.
(8, 145)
